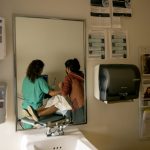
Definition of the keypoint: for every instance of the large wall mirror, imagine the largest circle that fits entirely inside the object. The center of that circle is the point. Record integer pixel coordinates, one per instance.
(52, 40)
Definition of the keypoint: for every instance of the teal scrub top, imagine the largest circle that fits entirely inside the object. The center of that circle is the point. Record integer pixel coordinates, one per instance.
(33, 93)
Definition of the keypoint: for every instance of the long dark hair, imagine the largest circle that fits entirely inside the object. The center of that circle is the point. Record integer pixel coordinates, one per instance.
(34, 69)
(73, 65)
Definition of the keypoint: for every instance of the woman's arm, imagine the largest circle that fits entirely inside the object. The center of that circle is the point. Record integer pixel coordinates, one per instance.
(53, 93)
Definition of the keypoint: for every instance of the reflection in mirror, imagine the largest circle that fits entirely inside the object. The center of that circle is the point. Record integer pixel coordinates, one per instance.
(55, 42)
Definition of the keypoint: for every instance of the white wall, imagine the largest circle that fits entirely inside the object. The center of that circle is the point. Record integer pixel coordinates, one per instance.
(109, 127)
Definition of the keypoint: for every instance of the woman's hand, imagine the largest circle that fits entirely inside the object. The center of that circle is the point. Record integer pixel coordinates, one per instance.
(53, 92)
(60, 85)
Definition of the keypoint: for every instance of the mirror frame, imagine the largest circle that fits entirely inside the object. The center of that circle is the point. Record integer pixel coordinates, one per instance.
(15, 62)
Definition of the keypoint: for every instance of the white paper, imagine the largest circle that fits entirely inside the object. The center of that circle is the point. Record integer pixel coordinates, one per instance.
(100, 13)
(119, 44)
(97, 44)
(145, 61)
(2, 39)
(121, 8)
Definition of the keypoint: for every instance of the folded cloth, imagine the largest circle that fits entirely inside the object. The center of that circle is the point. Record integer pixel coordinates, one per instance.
(59, 102)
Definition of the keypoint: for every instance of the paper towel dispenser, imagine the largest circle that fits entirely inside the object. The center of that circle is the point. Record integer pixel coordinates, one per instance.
(116, 82)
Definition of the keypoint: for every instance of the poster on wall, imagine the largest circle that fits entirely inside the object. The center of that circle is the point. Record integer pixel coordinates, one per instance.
(146, 91)
(97, 44)
(2, 39)
(100, 15)
(145, 62)
(119, 44)
(121, 8)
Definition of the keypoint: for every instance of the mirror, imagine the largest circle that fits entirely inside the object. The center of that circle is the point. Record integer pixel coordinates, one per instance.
(52, 40)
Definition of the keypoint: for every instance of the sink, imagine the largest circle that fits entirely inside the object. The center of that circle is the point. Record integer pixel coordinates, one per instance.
(73, 139)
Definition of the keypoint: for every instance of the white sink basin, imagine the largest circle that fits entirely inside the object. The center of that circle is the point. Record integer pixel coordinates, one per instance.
(71, 140)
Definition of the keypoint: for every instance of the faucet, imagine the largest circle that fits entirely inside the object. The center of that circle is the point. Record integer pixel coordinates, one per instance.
(58, 128)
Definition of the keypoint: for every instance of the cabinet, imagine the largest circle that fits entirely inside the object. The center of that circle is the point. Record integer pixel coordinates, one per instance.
(144, 101)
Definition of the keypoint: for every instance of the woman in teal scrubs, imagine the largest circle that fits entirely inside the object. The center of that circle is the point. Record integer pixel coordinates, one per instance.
(35, 87)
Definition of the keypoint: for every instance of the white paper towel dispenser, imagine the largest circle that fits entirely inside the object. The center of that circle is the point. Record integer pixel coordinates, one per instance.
(116, 82)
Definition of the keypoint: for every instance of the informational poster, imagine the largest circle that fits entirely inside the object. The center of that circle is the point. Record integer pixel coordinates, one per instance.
(145, 61)
(97, 44)
(145, 97)
(119, 44)
(145, 64)
(146, 91)
(100, 13)
(2, 39)
(121, 8)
